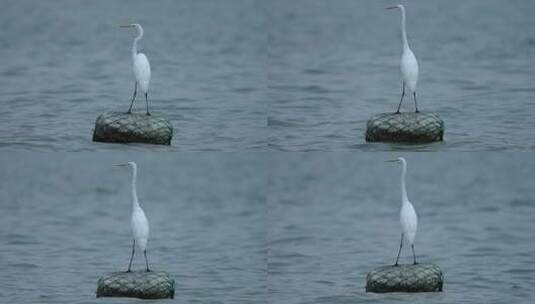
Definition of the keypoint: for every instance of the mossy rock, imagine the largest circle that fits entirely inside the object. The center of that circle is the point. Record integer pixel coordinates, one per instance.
(137, 284)
(405, 127)
(118, 127)
(405, 278)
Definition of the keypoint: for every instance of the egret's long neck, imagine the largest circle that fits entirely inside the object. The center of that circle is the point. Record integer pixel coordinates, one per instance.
(135, 202)
(404, 197)
(139, 36)
(404, 30)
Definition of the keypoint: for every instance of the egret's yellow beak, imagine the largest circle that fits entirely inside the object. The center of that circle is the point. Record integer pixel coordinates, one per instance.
(391, 7)
(391, 160)
(126, 26)
(120, 165)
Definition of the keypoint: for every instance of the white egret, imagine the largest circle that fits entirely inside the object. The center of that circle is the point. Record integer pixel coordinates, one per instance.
(141, 68)
(139, 222)
(407, 214)
(409, 64)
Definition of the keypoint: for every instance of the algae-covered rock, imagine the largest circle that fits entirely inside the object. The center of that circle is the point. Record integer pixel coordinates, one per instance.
(405, 127)
(405, 278)
(120, 127)
(137, 284)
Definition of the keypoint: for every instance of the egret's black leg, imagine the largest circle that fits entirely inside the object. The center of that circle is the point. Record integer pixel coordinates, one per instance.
(147, 101)
(415, 104)
(413, 254)
(400, 245)
(146, 261)
(133, 98)
(402, 95)
(132, 256)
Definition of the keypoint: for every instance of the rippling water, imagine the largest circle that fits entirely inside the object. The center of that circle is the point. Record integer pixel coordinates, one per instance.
(334, 217)
(65, 221)
(335, 63)
(240, 75)
(276, 228)
(64, 62)
(315, 71)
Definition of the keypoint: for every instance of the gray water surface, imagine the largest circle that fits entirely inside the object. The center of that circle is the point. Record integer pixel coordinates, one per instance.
(64, 62)
(333, 217)
(239, 75)
(65, 221)
(276, 228)
(335, 63)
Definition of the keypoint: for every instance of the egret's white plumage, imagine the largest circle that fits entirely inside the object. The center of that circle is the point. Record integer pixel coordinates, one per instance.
(139, 222)
(141, 68)
(409, 64)
(407, 215)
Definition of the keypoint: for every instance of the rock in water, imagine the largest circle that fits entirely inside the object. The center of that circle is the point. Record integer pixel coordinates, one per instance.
(120, 127)
(137, 284)
(405, 278)
(405, 127)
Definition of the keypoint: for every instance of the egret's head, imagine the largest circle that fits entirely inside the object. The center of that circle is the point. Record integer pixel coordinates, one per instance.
(399, 6)
(128, 164)
(397, 160)
(133, 25)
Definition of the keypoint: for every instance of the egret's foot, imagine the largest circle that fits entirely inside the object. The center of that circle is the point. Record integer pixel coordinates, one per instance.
(148, 114)
(128, 271)
(397, 112)
(148, 270)
(396, 265)
(129, 112)
(416, 111)
(414, 263)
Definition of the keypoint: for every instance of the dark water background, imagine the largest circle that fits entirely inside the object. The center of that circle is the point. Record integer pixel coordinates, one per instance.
(65, 221)
(333, 217)
(64, 62)
(335, 63)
